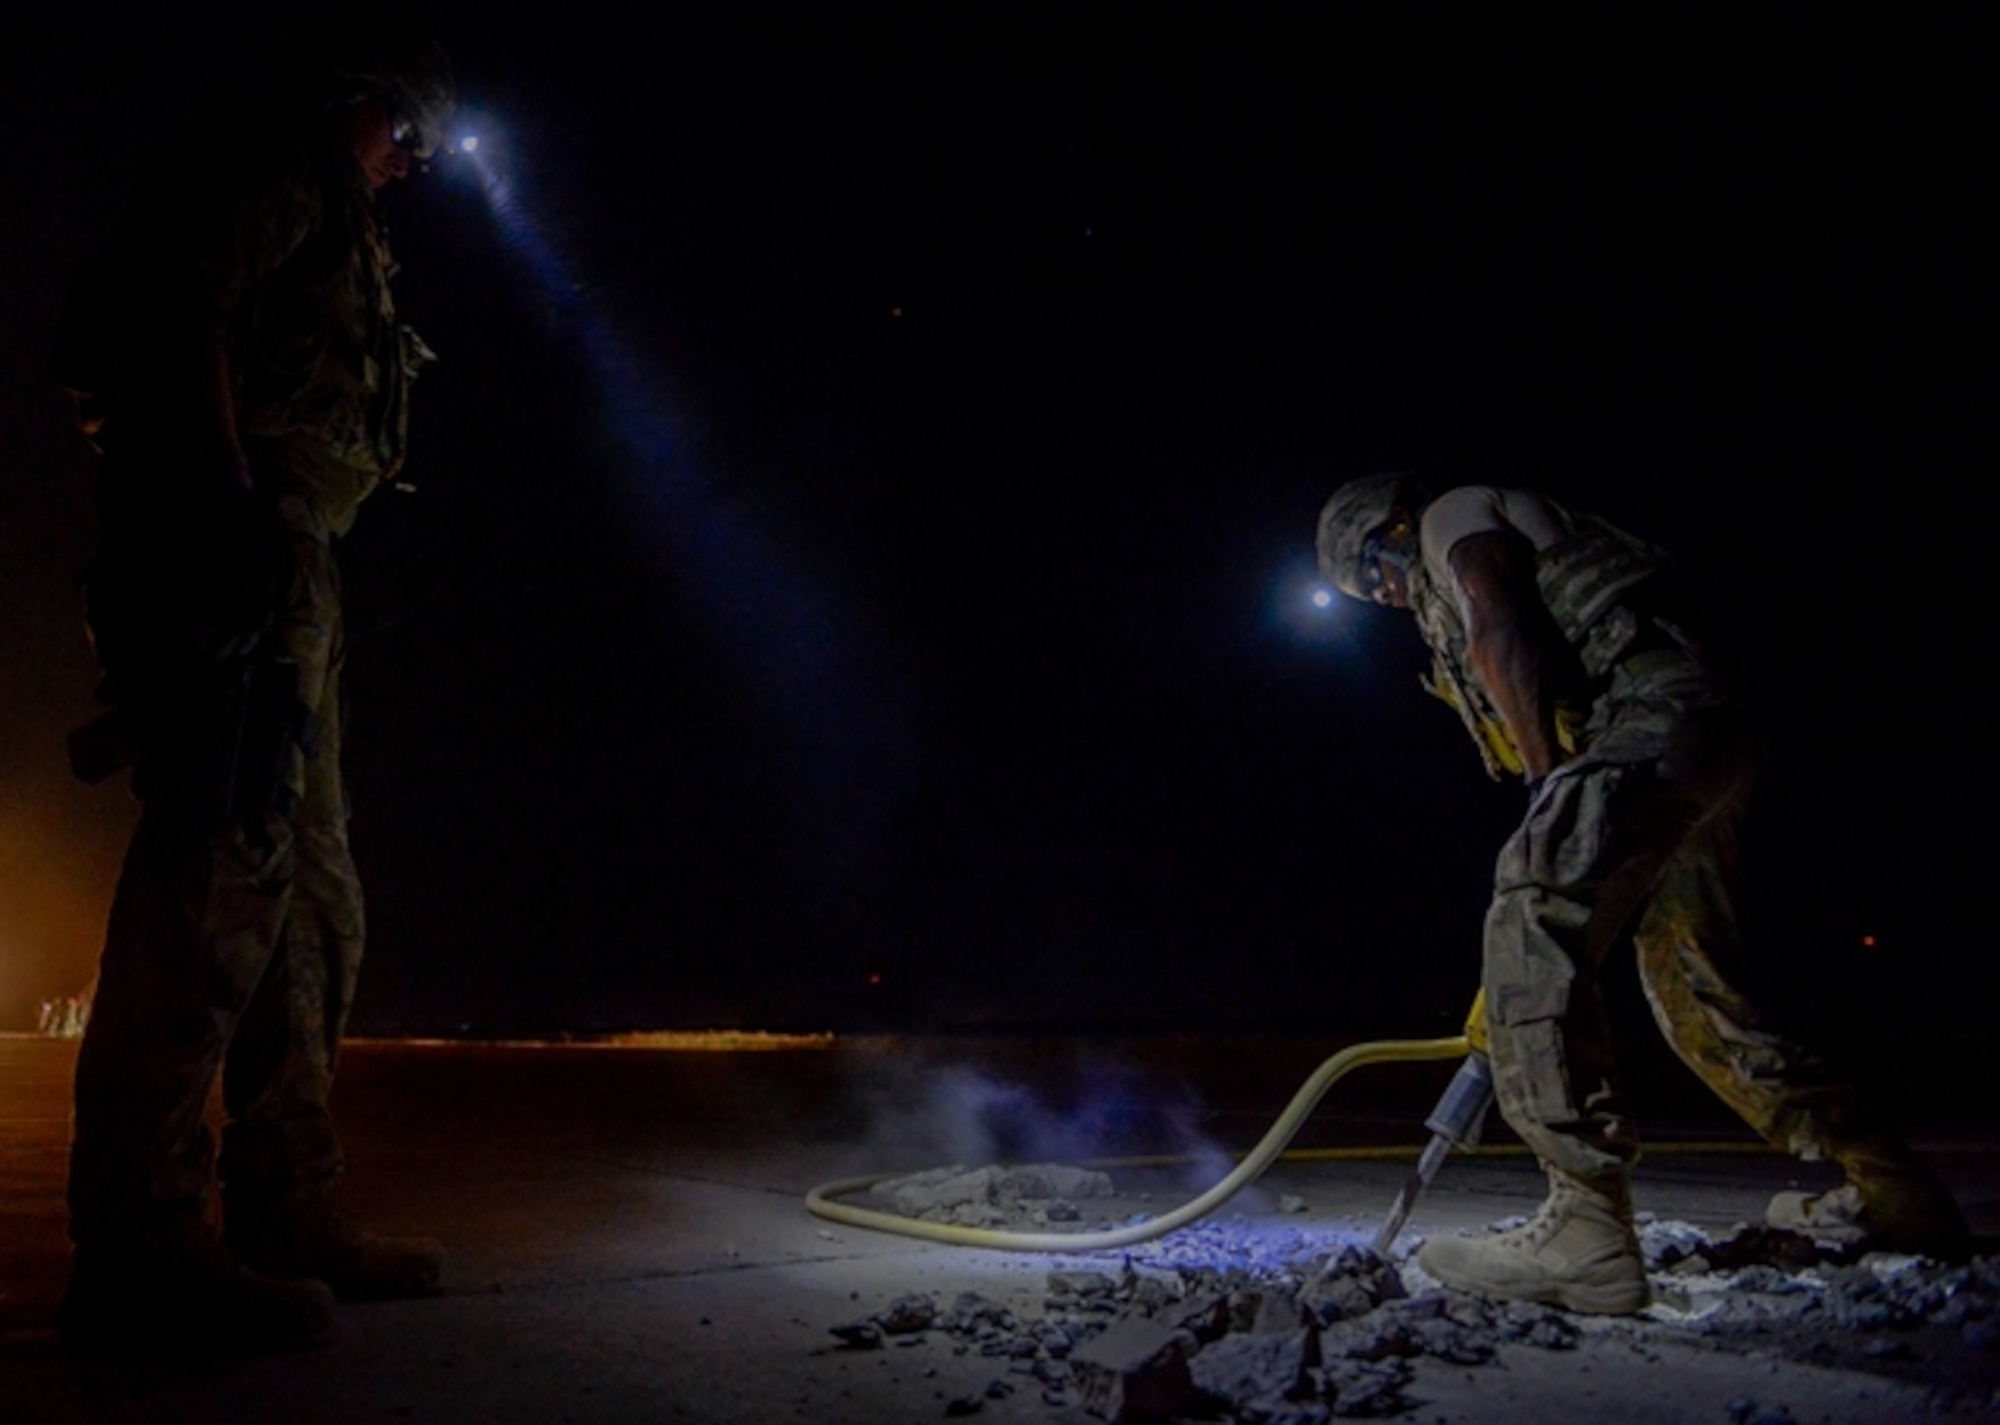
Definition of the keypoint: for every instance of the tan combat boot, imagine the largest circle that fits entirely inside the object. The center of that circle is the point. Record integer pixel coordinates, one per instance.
(1890, 1202)
(358, 1264)
(1578, 1252)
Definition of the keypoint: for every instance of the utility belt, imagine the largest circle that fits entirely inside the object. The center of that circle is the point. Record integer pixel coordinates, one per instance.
(1656, 644)
(1639, 631)
(1650, 661)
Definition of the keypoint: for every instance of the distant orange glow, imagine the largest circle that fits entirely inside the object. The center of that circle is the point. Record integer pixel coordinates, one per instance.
(681, 1041)
(874, 979)
(1868, 942)
(57, 870)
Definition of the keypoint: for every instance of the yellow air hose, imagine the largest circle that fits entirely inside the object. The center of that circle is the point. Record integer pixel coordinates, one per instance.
(821, 1201)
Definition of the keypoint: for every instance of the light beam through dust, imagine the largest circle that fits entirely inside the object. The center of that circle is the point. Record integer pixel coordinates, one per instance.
(799, 648)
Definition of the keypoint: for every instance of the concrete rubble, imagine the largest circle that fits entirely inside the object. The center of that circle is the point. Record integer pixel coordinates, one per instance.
(1030, 1196)
(1217, 1322)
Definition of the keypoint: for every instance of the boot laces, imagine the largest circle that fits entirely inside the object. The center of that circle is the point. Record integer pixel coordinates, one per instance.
(1561, 1207)
(1548, 1219)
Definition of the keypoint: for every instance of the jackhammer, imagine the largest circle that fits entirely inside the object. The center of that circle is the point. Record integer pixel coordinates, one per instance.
(1455, 1123)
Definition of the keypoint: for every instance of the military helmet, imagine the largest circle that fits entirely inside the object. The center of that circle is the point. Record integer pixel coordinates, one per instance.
(412, 79)
(337, 59)
(1357, 510)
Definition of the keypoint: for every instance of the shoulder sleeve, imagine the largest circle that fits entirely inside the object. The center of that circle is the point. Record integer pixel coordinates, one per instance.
(1467, 510)
(1475, 509)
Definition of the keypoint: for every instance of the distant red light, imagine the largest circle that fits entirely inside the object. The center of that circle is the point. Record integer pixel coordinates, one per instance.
(1867, 942)
(874, 979)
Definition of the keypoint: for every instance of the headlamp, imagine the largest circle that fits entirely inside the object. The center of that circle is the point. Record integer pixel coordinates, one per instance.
(1390, 541)
(1368, 569)
(406, 135)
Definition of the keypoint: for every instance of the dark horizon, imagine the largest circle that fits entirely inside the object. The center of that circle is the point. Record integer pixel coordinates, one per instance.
(864, 503)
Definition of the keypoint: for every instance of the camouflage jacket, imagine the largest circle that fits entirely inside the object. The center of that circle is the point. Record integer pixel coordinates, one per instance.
(1590, 582)
(285, 254)
(298, 273)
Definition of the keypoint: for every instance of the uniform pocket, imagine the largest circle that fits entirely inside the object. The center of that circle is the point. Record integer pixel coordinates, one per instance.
(1532, 1075)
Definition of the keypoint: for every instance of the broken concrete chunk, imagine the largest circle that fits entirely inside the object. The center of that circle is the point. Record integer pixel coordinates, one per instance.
(1281, 1313)
(929, 1177)
(1135, 1370)
(1055, 1373)
(1449, 1341)
(1366, 1389)
(1273, 1308)
(973, 1314)
(1555, 1333)
(1665, 1244)
(1156, 1333)
(974, 1214)
(1352, 1283)
(1149, 1293)
(1205, 1317)
(1285, 1412)
(860, 1335)
(907, 1314)
(1077, 1283)
(1036, 1193)
(1044, 1182)
(1470, 1311)
(1239, 1369)
(1536, 1325)
(939, 1189)
(1380, 1337)
(1743, 1411)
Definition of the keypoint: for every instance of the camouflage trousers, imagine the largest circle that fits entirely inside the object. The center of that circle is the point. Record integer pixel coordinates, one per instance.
(232, 950)
(1638, 836)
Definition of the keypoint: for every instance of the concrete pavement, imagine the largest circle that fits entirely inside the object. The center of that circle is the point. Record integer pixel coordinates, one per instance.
(628, 1240)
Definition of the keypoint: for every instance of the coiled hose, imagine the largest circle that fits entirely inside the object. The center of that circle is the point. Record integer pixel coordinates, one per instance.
(822, 1200)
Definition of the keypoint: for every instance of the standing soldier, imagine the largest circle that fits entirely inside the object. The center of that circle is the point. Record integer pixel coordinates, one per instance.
(237, 360)
(1557, 639)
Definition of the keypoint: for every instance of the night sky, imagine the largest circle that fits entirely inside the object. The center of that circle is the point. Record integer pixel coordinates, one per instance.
(866, 500)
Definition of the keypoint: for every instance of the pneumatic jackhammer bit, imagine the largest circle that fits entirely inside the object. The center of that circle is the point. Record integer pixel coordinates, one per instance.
(1454, 1123)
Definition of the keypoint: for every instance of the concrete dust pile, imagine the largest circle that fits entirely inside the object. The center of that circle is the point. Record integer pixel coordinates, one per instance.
(1231, 1321)
(1010, 1198)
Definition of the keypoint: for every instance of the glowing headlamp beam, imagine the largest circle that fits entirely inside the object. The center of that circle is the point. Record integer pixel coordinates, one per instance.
(796, 646)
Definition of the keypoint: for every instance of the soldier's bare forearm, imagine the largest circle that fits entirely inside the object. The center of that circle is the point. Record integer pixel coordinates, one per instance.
(1511, 640)
(1511, 663)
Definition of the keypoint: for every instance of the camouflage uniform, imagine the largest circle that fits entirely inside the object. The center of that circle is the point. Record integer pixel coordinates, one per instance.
(1637, 831)
(235, 937)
